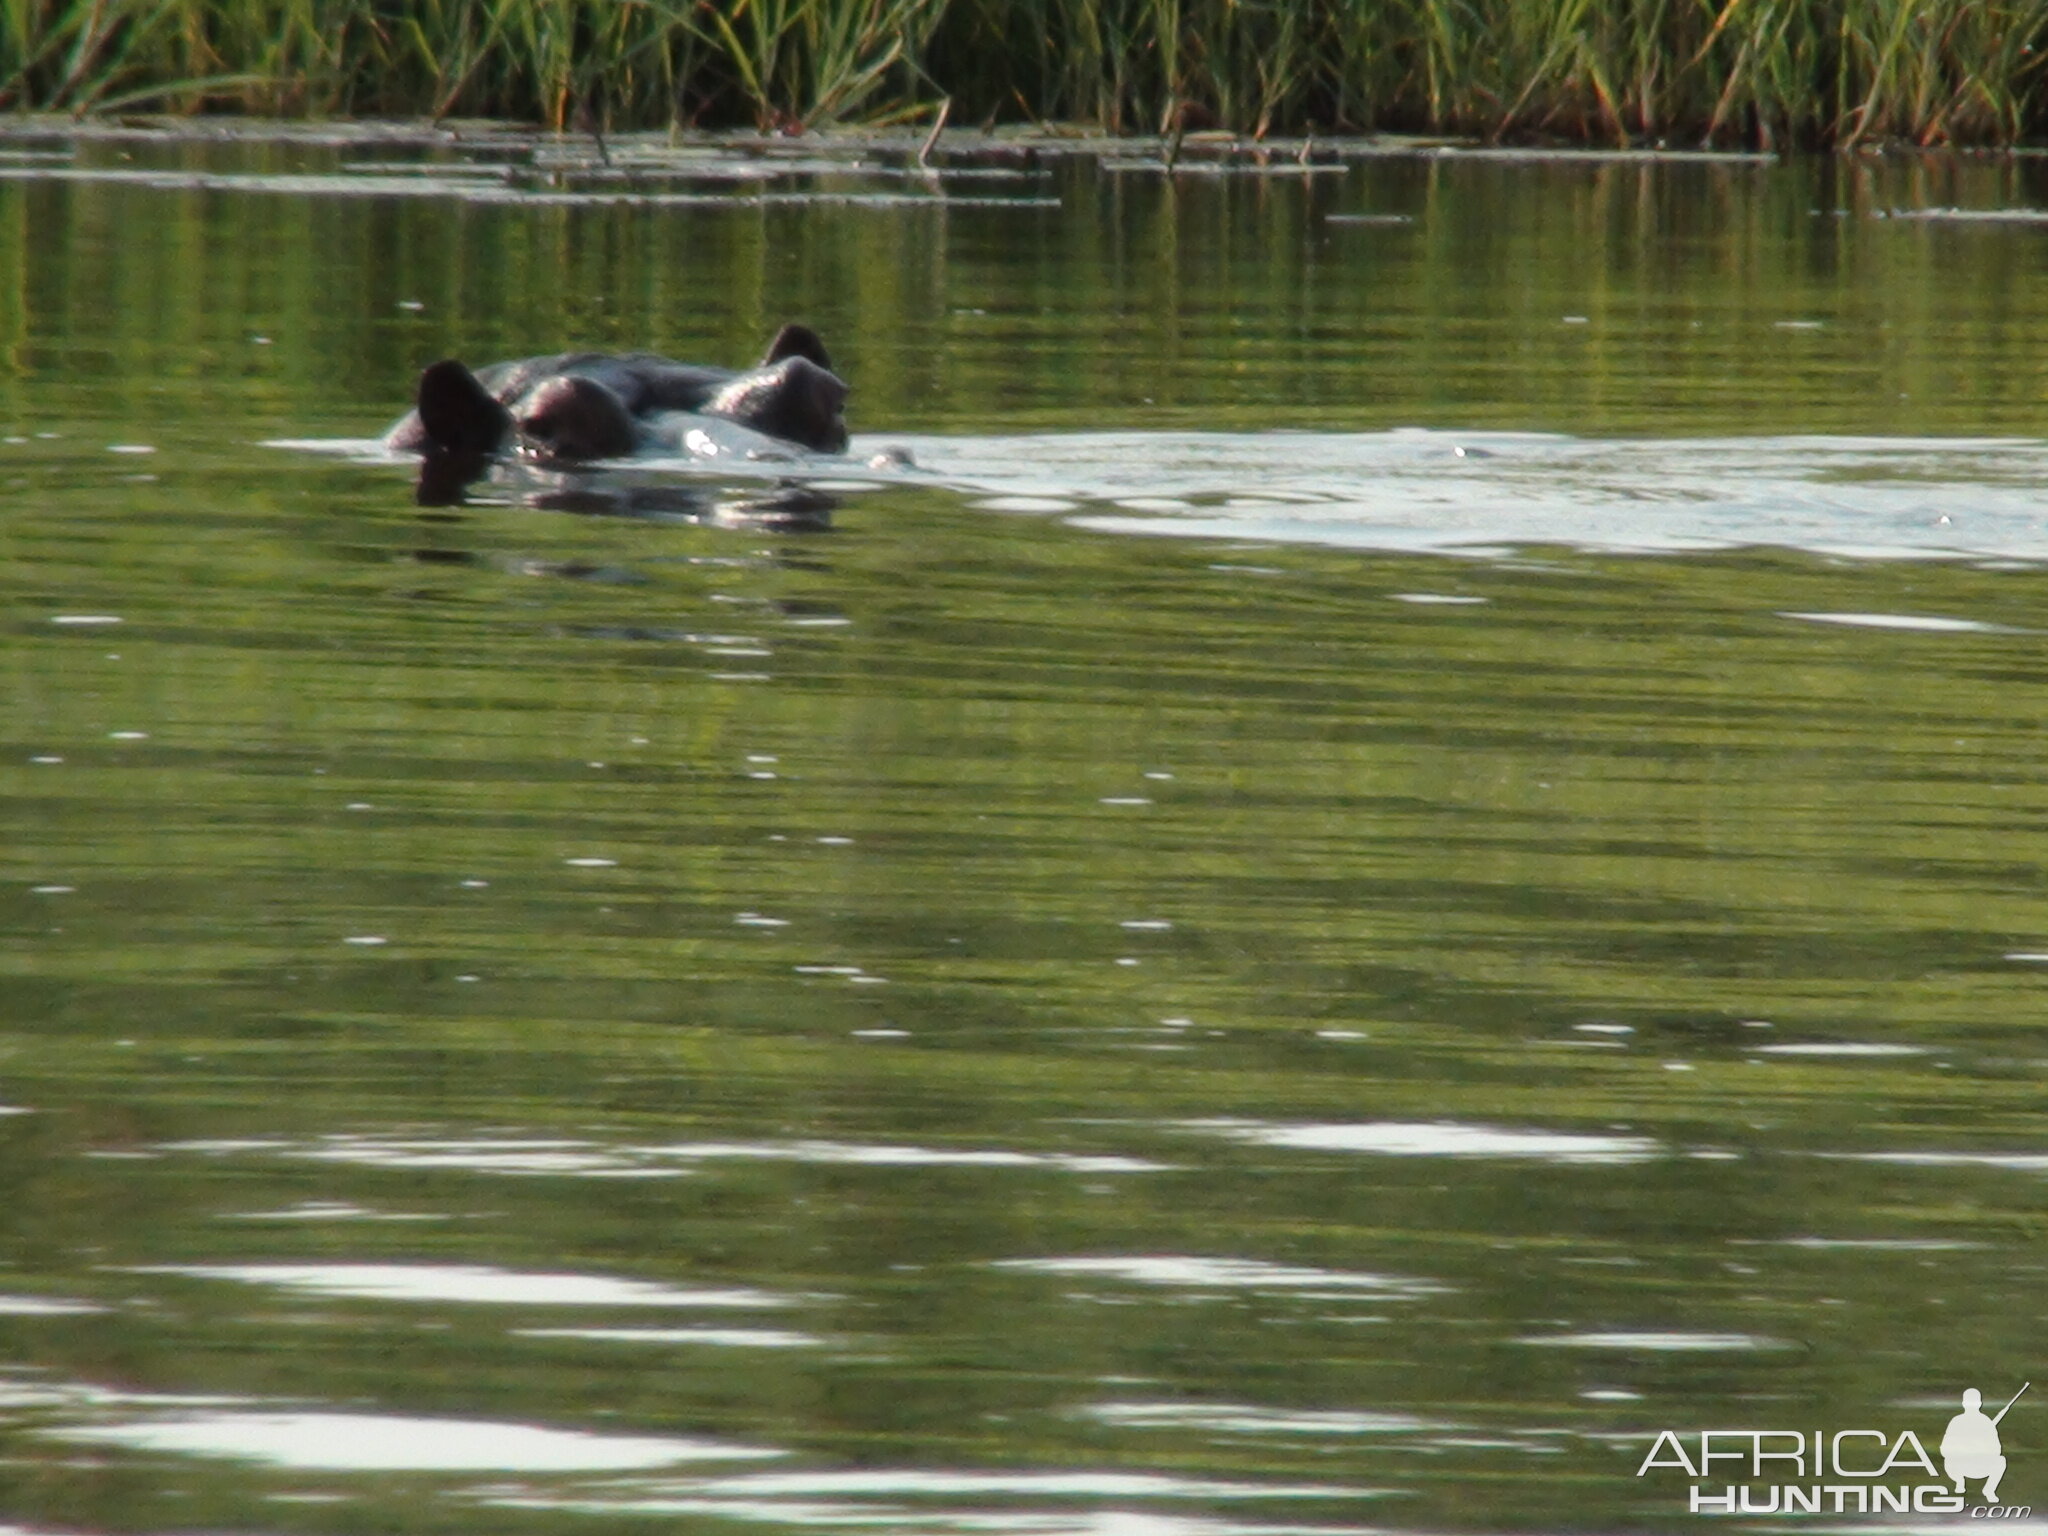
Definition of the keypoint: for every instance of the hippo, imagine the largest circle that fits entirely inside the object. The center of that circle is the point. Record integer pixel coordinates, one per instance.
(577, 406)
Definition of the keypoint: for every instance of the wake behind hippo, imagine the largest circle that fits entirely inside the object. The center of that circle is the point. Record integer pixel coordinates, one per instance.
(577, 406)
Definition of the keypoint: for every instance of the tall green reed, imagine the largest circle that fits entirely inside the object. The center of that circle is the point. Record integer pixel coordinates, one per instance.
(801, 62)
(1763, 72)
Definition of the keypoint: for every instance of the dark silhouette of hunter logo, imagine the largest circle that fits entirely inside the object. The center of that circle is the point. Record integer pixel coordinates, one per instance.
(1969, 1446)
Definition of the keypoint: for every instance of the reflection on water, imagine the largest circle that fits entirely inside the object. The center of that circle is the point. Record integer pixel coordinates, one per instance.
(591, 1160)
(740, 1338)
(1395, 1140)
(469, 1283)
(1711, 1343)
(45, 1306)
(915, 1501)
(1252, 1274)
(354, 1442)
(1242, 1419)
(1409, 853)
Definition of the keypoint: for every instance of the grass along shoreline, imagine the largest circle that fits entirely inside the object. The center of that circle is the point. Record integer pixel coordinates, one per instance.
(1761, 74)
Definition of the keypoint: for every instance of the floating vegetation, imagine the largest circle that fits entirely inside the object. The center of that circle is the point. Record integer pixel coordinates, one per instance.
(1838, 73)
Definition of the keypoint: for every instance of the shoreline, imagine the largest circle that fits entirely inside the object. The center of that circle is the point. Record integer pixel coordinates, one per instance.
(1278, 153)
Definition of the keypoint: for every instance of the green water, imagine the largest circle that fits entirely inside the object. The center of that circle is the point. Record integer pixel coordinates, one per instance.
(1022, 1022)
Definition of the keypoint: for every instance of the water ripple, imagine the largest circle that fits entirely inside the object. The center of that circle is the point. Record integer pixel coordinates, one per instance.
(2025, 1162)
(470, 1283)
(922, 1520)
(519, 1155)
(1492, 492)
(853, 1154)
(1189, 1272)
(365, 1442)
(1233, 1418)
(736, 1338)
(983, 1502)
(1436, 1139)
(45, 1306)
(1658, 1341)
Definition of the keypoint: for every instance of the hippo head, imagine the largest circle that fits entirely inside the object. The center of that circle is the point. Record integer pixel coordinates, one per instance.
(572, 417)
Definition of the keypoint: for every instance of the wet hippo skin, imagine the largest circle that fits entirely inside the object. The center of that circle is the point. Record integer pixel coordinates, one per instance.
(594, 405)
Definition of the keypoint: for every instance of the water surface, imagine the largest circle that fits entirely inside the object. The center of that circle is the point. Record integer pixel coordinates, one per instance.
(1412, 853)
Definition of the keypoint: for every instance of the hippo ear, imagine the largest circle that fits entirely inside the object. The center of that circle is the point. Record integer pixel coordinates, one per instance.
(460, 416)
(794, 400)
(795, 340)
